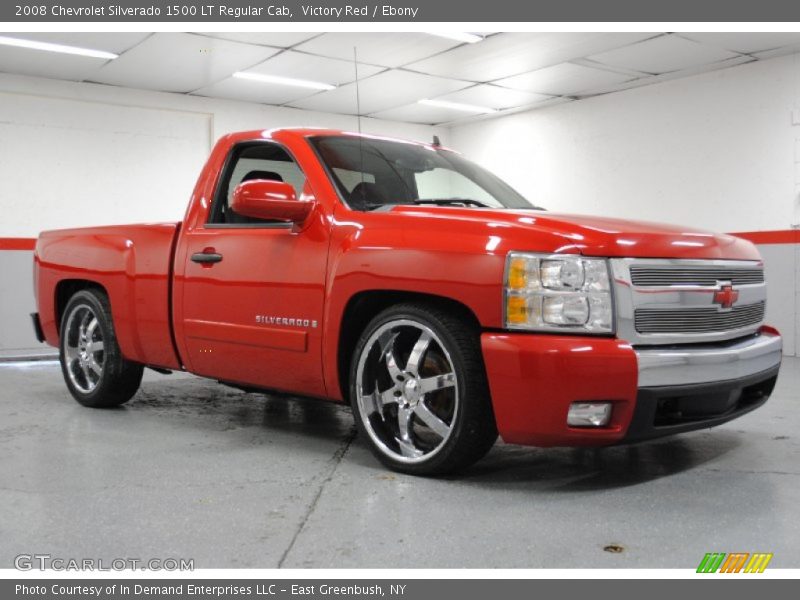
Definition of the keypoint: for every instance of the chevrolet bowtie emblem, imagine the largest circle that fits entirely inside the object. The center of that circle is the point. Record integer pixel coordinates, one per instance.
(726, 296)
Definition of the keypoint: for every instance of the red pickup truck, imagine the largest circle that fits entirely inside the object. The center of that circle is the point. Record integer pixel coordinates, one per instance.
(412, 283)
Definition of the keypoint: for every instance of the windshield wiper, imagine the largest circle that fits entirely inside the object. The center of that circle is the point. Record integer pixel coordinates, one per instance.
(445, 202)
(451, 201)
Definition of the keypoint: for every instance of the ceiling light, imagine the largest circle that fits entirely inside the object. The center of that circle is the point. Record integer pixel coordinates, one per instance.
(459, 36)
(314, 85)
(458, 106)
(48, 47)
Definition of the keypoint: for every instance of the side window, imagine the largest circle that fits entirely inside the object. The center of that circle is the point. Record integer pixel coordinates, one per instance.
(259, 160)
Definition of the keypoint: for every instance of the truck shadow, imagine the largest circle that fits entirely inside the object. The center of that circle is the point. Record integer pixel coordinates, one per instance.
(195, 402)
(590, 469)
(287, 420)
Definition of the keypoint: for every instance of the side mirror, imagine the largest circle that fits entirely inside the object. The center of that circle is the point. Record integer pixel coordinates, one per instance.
(271, 200)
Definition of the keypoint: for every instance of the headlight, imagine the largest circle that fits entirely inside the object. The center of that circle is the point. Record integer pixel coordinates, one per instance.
(546, 292)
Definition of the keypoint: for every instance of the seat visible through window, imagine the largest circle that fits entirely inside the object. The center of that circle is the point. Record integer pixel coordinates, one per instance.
(250, 161)
(231, 215)
(269, 175)
(366, 194)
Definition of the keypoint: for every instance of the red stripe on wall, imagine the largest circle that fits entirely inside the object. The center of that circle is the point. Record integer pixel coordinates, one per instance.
(783, 236)
(786, 236)
(17, 243)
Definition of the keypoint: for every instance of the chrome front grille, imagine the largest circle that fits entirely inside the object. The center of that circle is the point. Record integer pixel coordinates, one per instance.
(674, 301)
(698, 320)
(676, 275)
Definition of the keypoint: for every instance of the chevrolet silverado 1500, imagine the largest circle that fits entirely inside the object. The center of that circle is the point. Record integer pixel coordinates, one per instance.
(412, 283)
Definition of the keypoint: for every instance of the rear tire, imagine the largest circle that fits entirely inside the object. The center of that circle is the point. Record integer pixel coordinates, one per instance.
(419, 391)
(96, 373)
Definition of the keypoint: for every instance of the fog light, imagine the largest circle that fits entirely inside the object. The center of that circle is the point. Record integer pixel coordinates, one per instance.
(589, 414)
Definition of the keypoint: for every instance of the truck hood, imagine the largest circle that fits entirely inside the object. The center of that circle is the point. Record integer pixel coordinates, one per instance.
(593, 236)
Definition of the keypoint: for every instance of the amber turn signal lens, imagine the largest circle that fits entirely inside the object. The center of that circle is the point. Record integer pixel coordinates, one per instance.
(518, 273)
(516, 310)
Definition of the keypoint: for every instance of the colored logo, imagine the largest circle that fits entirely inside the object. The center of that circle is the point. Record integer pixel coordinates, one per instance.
(726, 296)
(736, 562)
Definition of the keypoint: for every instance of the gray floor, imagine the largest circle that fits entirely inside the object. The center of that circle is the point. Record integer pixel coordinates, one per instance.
(191, 469)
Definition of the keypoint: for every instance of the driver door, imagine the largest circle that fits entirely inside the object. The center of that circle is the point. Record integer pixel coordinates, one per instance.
(251, 293)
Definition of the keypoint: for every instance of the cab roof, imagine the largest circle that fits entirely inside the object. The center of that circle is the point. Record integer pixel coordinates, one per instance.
(304, 132)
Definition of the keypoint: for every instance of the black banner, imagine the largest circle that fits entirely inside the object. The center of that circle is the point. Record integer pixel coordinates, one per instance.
(732, 587)
(266, 11)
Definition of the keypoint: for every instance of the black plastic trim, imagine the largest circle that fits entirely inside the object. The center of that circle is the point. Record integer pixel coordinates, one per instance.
(265, 225)
(37, 327)
(644, 425)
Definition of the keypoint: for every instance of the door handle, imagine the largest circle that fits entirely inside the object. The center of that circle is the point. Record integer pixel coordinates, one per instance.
(206, 257)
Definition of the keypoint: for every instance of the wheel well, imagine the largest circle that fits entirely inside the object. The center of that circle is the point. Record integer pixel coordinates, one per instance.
(363, 307)
(66, 288)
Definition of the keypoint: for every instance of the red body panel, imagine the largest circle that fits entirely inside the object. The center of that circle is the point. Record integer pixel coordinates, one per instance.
(133, 264)
(223, 315)
(534, 378)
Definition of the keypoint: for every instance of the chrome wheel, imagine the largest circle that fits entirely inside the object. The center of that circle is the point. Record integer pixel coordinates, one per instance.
(407, 391)
(84, 354)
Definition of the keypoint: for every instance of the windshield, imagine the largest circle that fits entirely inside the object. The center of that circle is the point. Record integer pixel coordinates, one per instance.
(372, 173)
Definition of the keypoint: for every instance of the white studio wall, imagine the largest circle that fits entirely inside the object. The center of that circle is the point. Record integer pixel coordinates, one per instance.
(70, 163)
(105, 155)
(718, 151)
(74, 154)
(714, 150)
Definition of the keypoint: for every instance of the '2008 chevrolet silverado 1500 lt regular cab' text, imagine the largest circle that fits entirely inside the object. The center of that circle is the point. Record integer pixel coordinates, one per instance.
(414, 284)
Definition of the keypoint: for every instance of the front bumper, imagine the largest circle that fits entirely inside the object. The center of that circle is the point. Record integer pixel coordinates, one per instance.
(653, 391)
(697, 364)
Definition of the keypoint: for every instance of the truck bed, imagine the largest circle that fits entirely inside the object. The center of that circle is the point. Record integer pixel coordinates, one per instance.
(133, 264)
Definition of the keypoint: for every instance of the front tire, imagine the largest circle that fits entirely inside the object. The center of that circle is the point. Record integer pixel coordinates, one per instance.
(419, 392)
(96, 373)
